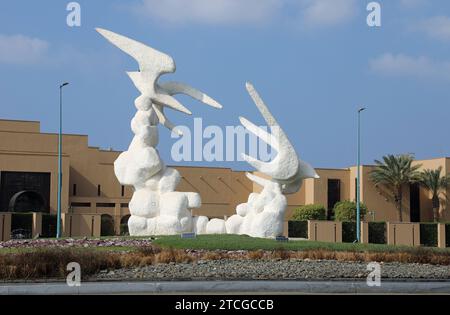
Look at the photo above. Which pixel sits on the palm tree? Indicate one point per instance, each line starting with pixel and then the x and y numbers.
pixel 394 172
pixel 437 186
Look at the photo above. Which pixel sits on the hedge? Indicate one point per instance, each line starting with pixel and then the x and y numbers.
pixel 377 232
pixel 298 229
pixel 345 211
pixel 22 221
pixel 107 226
pixel 124 229
pixel 428 234
pixel 48 225
pixel 447 235
pixel 348 232
pixel 310 212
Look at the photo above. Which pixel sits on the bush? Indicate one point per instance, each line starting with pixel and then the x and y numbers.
pixel 48 225
pixel 348 232
pixel 21 225
pixel 310 212
pixel 107 226
pixel 377 232
pixel 428 234
pixel 124 229
pixel 345 211
pixel 52 263
pixel 298 229
pixel 447 235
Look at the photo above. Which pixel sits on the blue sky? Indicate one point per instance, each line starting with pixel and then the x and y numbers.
pixel 314 62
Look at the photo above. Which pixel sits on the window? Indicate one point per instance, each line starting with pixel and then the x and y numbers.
pixel 74 190
pixel 123 190
pixel 105 205
pixel 99 190
pixel 80 204
pixel 334 195
pixel 124 205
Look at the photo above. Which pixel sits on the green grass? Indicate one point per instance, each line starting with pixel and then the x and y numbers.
pixel 242 242
pixel 239 242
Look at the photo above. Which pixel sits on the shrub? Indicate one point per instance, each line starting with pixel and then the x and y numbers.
pixel 447 235
pixel 345 211
pixel 428 234
pixel 377 232
pixel 107 226
pixel 348 232
pixel 48 225
pixel 310 212
pixel 255 255
pixel 21 225
pixel 298 229
pixel 52 263
pixel 124 229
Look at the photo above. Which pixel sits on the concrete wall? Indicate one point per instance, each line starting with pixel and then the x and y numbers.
pixel 16 155
pixel 407 234
pixel 5 226
pixel 77 225
pixel 20 125
pixel 325 231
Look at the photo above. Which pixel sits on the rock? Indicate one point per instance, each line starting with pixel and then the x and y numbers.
pixel 216 226
pixel 144 203
pixel 135 168
pixel 199 224
pixel 169 180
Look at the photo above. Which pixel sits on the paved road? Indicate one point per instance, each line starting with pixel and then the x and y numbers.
pixel 230 287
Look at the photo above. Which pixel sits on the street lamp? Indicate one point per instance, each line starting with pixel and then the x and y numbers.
pixel 58 222
pixel 358 184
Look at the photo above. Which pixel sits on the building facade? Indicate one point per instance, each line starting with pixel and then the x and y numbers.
pixel 29 172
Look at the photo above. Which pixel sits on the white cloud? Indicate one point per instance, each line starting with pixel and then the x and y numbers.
pixel 320 13
pixel 210 11
pixel 437 27
pixel 408 66
pixel 20 49
pixel 311 13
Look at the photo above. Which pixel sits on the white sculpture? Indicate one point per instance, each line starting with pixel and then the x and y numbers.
pixel 263 214
pixel 155 208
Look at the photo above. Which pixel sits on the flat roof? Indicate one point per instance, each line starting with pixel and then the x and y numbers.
pixel 20 120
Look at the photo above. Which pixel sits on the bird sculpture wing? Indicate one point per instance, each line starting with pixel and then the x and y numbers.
pixel 153 64
pixel 286 168
pixel 285 165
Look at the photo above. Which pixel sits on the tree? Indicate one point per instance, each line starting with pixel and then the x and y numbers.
pixel 437 186
pixel 394 172
pixel 345 211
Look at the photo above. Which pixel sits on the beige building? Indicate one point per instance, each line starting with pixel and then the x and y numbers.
pixel 28 181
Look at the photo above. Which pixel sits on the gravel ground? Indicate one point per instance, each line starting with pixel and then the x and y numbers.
pixel 274 270
pixel 80 242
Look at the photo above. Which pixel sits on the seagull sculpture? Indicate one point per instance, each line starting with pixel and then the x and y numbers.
pixel 286 168
pixel 152 65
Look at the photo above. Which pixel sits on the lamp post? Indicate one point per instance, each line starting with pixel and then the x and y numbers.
pixel 358 184
pixel 58 222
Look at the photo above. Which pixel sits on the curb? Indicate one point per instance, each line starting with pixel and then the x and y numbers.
pixel 220 287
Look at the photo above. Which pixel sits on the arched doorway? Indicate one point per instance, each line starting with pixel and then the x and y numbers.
pixel 107 225
pixel 27 201
pixel 124 225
